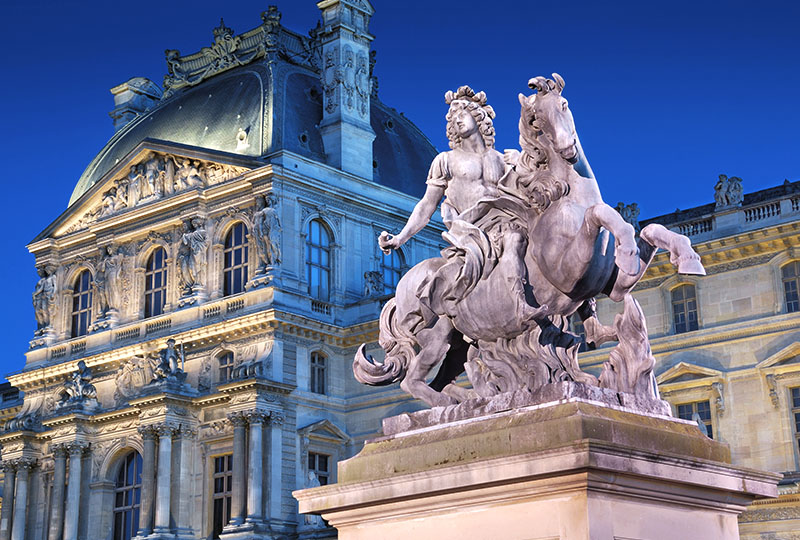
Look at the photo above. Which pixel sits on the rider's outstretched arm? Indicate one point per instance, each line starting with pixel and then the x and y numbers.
pixel 417 220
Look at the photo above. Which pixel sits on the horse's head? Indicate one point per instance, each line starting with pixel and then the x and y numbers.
pixel 546 114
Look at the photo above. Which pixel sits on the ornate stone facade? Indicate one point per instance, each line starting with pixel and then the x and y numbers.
pixel 268 396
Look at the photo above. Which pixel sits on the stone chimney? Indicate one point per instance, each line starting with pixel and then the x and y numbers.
pixel 133 98
pixel 345 74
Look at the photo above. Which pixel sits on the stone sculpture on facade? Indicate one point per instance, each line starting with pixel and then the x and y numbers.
pixel 530 243
pixel 192 254
pixel 107 283
pixel 728 191
pixel 267 229
pixel 43 297
pixel 170 365
pixel 373 283
pixel 630 213
pixel 78 389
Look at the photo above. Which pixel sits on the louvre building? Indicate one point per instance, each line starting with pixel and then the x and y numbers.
pixel 201 298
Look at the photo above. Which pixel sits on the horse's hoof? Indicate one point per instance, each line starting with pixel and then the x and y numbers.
pixel 691 266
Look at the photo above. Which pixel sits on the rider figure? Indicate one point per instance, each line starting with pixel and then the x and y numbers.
pixel 464 176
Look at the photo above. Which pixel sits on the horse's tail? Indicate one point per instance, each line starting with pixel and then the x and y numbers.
pixel 399 349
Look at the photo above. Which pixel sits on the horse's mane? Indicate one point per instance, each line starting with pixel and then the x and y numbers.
pixel 533 175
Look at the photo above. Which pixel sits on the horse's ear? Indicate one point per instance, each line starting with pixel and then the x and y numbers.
pixel 559 82
pixel 522 99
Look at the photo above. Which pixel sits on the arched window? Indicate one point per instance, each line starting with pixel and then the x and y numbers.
pixel 392 267
pixel 225 361
pixel 790 274
pixel 684 308
pixel 155 283
pixel 235 257
pixel 82 304
pixel 127 496
pixel 318 260
pixel 318 373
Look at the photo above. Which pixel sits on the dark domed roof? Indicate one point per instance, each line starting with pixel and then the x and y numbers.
pixel 276 114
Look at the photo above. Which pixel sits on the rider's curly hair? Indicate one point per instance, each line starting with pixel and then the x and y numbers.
pixel 466 98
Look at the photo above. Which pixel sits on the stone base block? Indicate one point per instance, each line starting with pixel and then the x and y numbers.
pixel 247 531
pixel 571 470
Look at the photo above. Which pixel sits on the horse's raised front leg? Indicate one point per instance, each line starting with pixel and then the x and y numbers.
pixel 681 253
pixel 434 343
pixel 626 253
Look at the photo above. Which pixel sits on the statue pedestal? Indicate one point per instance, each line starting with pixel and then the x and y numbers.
pixel 571 469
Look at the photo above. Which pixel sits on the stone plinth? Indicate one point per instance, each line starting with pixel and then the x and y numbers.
pixel 566 470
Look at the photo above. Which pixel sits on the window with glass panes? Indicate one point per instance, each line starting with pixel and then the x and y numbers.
pixel 221 498
pixel 320 464
pixel 82 304
pixel 318 263
pixel 225 366
pixel 790 274
pixel 155 283
pixel 684 308
pixel 392 267
pixel 796 415
pixel 235 258
pixel 318 362
pixel 127 497
pixel 686 411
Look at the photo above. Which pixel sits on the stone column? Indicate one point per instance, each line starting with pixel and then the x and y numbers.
pixel 255 499
pixel 164 479
pixel 9 479
pixel 148 434
pixel 71 521
pixel 56 531
pixel 184 521
pixel 239 477
pixel 24 467
pixel 275 461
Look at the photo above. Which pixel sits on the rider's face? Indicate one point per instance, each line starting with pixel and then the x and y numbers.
pixel 465 123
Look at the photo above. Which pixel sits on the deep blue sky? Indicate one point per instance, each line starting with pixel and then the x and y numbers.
pixel 666 95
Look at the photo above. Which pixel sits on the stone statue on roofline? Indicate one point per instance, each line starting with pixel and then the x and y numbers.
pixel 728 191
pixel 530 242
pixel 267 231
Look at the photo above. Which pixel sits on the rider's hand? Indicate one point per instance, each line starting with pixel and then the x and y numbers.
pixel 387 242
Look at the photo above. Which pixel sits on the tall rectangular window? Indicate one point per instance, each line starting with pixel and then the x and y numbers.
pixel 235 260
pixel 796 415
pixel 790 274
pixel 318 361
pixel 684 309
pixel 155 283
pixel 318 263
pixel 699 410
pixel 320 465
pixel 82 304
pixel 225 367
pixel 221 497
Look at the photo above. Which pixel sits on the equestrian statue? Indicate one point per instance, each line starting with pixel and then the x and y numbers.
pixel 530 243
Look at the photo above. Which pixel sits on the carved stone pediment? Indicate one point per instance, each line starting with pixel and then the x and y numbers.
pixel 324 430
pixel 148 177
pixel 786 356
pixel 685 372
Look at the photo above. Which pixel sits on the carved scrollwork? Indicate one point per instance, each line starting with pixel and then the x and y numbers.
pixel 237 419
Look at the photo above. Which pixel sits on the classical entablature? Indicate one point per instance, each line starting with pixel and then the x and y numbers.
pixel 154 172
